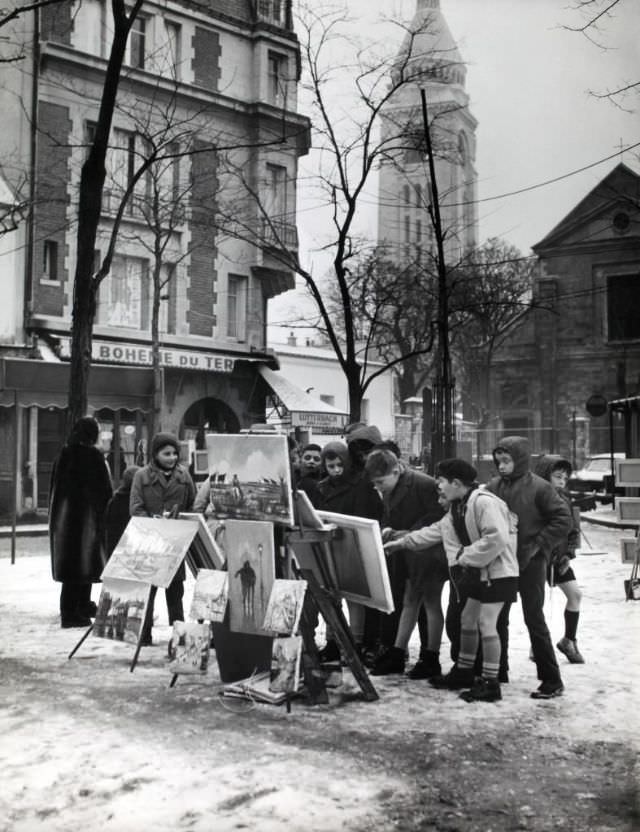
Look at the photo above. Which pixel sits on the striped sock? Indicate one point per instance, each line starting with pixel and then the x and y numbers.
pixel 490 656
pixel 468 648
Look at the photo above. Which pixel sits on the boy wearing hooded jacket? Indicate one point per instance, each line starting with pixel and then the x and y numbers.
pixel 544 521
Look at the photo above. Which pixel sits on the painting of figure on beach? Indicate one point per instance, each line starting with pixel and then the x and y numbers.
pixel 210 595
pixel 284 607
pixel 249 477
pixel 151 550
pixel 121 610
pixel 189 647
pixel 251 566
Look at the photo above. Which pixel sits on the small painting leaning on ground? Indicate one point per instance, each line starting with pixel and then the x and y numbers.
pixel 284 607
pixel 285 665
pixel 249 477
pixel 189 647
pixel 121 610
pixel 251 565
pixel 210 595
pixel 151 550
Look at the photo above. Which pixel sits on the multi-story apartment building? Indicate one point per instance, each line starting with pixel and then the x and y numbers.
pixel 208 103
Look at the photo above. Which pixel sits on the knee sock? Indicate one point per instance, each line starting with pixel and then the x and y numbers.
pixel 571 624
pixel 468 648
pixel 490 656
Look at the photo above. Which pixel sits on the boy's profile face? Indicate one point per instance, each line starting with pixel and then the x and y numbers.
pixel 385 483
pixel 504 463
pixel 334 466
pixel 559 478
pixel 451 489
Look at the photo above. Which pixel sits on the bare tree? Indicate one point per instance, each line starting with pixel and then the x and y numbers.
pixel 349 145
pixel 89 209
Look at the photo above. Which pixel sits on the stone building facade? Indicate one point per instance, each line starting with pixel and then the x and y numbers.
pixel 208 98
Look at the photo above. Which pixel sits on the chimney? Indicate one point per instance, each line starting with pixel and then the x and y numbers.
pixel 291 340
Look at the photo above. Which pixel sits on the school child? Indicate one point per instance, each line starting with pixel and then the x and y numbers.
pixel 346 491
pixel 410 500
pixel 544 521
pixel 164 486
pixel 479 537
pixel 557 470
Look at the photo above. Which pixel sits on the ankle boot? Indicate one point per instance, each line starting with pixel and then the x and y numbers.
pixel 390 662
pixel 483 690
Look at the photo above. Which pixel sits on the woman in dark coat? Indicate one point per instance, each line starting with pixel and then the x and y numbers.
pixel 79 492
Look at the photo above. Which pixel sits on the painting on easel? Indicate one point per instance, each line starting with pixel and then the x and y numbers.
pixel 189 647
pixel 284 607
pixel 210 595
pixel 151 550
pixel 250 477
pixel 121 610
pixel 251 565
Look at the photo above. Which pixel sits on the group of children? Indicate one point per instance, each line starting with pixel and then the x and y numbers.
pixel 492 542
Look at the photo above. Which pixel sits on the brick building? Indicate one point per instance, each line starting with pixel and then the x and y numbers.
pixel 208 91
pixel 583 337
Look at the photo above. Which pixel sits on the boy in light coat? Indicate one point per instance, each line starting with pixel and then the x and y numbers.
pixel 479 535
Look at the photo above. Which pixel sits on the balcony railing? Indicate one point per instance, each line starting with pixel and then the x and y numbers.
pixel 280 235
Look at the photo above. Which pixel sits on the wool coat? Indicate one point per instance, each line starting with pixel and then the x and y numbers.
pixel 152 493
pixel 79 492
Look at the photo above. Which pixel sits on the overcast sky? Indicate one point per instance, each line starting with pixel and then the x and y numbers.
pixel 529 82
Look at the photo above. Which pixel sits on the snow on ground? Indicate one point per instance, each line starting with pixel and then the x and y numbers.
pixel 88 744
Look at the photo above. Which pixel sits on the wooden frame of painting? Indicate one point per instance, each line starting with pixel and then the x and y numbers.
pixel 358 560
pixel 628 510
pixel 628 549
pixel 627 473
pixel 250 477
pixel 304 512
pixel 204 552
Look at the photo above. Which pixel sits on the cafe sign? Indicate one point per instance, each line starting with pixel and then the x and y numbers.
pixel 112 352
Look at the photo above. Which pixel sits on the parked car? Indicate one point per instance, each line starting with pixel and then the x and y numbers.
pixel 591 483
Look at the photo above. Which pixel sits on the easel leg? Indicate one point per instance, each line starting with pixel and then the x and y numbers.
pixel 72 653
pixel 148 620
pixel 174 679
pixel 335 619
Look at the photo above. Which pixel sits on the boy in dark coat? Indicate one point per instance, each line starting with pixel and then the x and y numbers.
pixel 117 514
pixel 161 487
pixel 544 521
pixel 79 493
pixel 410 500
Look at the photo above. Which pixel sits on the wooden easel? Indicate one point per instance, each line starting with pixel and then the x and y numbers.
pixel 321 589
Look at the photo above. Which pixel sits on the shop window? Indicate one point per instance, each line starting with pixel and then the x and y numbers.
pixel 623 307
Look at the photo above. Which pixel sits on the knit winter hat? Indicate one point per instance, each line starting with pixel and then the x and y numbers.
pixel 160 440
pixel 365 434
pixel 338 449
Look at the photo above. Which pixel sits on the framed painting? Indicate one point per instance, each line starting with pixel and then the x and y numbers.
pixel 304 512
pixel 250 477
pixel 628 510
pixel 210 595
pixel 628 549
pixel 151 550
pixel 251 567
pixel 358 561
pixel 627 473
pixel 121 610
pixel 285 665
pixel 284 607
pixel 189 647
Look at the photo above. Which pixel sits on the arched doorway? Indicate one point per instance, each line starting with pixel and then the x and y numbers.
pixel 208 416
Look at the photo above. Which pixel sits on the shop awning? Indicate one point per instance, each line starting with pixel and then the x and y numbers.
pixel 304 410
pixel 33 383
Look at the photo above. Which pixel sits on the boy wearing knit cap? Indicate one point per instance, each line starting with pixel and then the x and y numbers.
pixel 161 487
